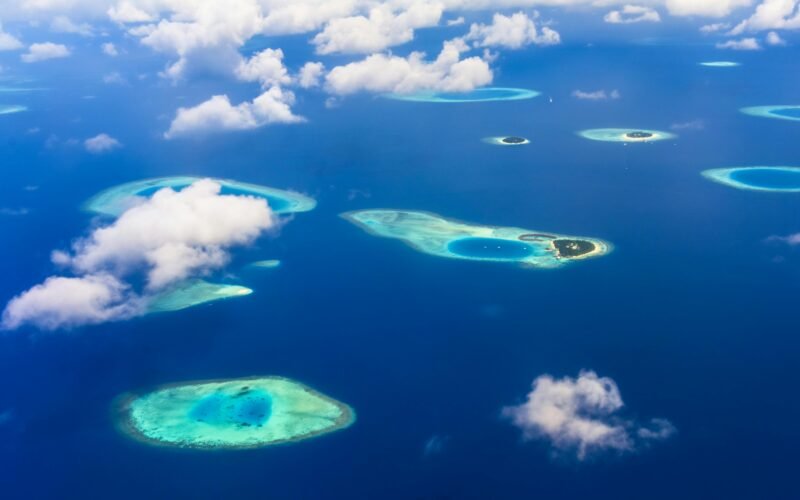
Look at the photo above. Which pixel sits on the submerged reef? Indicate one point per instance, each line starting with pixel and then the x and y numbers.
pixel 433 234
pixel 193 293
pixel 477 95
pixel 779 112
pixel 117 199
pixel 720 64
pixel 7 109
pixel 265 264
pixel 625 135
pixel 511 140
pixel 775 179
pixel 231 414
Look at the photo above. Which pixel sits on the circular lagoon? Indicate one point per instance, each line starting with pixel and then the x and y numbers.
pixel 781 112
pixel 720 64
pixel 776 179
pixel 625 135
pixel 490 249
pixel 7 109
pixel 477 95
pixel 117 199
pixel 230 414
pixel 436 235
pixel 510 140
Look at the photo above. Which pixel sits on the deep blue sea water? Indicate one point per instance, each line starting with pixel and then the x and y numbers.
pixel 790 112
pixel 693 315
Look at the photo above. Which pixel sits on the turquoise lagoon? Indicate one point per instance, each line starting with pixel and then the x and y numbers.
pixel 230 414
pixel 776 179
pixel 779 112
pixel 435 235
pixel 117 199
pixel 7 109
pixel 477 95
pixel 193 293
pixel 625 135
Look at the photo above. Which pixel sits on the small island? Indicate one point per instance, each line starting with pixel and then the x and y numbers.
pixel 511 140
pixel 115 200
pixel 773 179
pixel 193 293
pixel 240 413
pixel 265 264
pixel 477 95
pixel 435 235
pixel 625 135
pixel 7 109
pixel 780 112
pixel 720 64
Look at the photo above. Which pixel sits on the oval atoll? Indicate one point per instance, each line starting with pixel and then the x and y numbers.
pixel 476 95
pixel 433 234
pixel 115 200
pixel 508 140
pixel 7 109
pixel 192 293
pixel 720 64
pixel 231 414
pixel 779 112
pixel 775 179
pixel 625 135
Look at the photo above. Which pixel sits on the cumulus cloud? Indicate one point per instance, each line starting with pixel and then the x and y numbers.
pixel 63 24
pixel 110 49
pixel 382 28
pixel 597 95
pixel 169 238
pixel 580 416
pixel 310 74
pixel 44 51
pixel 743 44
pixel 792 239
pixel 771 15
pixel 630 14
pixel 101 143
pixel 714 28
pixel 8 42
pixel 513 32
pixel 708 8
pixel 265 67
pixel 387 73
pixel 114 78
pixel 774 39
pixel 218 114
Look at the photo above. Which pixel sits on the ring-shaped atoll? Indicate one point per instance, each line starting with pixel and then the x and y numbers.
pixel 433 234
pixel 231 414
pixel 779 112
pixel 115 200
pixel 625 135
pixel 477 95
pixel 507 140
pixel 192 293
pixel 773 179
pixel 720 64
pixel 7 109
pixel 265 264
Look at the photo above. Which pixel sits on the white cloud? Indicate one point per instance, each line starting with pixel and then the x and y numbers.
pixel 707 8
pixel 772 15
pixel 114 78
pixel 310 74
pixel 792 239
pixel 126 12
pixel 743 44
pixel 62 302
pixel 580 415
pixel 691 125
pixel 8 42
pixel 387 73
pixel 43 51
pixel 458 21
pixel 597 95
pixel 381 29
pixel 101 143
pixel 515 31
pixel 714 27
pixel 218 114
pixel 630 14
pixel 775 39
pixel 169 237
pixel 63 24
pixel 110 49
pixel 265 67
